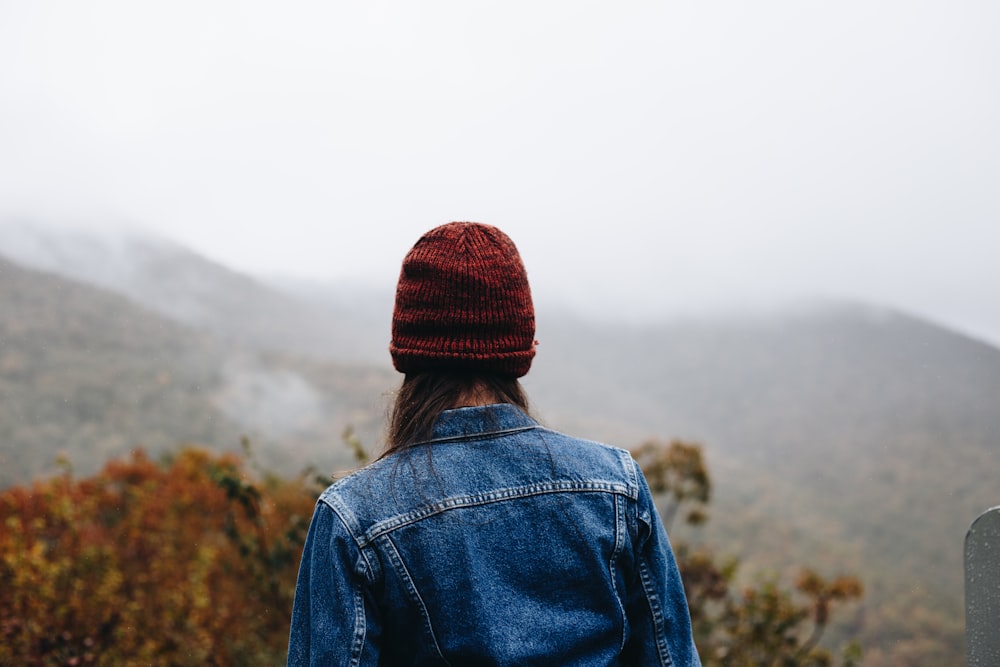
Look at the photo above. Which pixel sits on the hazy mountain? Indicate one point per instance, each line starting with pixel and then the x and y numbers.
pixel 193 290
pixel 90 374
pixel 863 437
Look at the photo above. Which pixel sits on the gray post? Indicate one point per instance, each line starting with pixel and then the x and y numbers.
pixel 982 590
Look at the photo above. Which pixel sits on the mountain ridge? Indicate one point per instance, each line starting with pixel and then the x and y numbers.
pixel 87 374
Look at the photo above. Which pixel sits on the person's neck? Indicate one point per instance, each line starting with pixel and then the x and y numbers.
pixel 475 396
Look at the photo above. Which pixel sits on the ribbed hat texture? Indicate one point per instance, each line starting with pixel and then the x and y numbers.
pixel 463 303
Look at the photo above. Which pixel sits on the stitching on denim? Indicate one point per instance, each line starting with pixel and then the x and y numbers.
pixel 360 619
pixel 411 588
pixel 631 469
pixel 477 435
pixel 343 512
pixel 333 501
pixel 360 628
pixel 499 495
pixel 663 653
pixel 619 545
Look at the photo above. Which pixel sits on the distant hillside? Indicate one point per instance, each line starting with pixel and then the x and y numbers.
pixel 188 288
pixel 90 374
pixel 862 437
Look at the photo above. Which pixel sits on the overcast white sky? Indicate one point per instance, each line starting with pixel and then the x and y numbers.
pixel 646 157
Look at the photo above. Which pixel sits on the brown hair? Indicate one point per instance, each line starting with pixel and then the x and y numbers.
pixel 424 396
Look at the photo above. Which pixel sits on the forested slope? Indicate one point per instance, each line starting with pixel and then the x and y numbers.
pixel 87 375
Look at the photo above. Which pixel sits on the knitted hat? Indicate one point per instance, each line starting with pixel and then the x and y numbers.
pixel 463 303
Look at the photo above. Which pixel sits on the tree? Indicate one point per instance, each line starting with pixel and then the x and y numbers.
pixel 677 471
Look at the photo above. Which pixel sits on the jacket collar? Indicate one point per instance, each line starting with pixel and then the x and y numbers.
pixel 484 420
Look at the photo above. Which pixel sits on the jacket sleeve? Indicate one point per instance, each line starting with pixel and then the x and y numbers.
pixel 333 619
pixel 656 607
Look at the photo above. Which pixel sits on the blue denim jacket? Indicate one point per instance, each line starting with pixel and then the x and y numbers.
pixel 497 542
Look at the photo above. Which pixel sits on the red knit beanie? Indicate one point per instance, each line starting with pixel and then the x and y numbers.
pixel 463 303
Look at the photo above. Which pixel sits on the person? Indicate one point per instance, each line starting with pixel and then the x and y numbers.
pixel 480 537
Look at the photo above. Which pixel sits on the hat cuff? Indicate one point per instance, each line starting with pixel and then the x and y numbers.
pixel 514 364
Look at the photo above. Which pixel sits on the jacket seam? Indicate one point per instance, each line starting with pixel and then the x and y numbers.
pixel 360 628
pixel 476 435
pixel 360 625
pixel 411 588
pixel 488 498
pixel 631 470
pixel 343 513
pixel 662 651
pixel 619 546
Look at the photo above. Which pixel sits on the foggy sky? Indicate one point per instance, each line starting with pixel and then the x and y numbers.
pixel 647 159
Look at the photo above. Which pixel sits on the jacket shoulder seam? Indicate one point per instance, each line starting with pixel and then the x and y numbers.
pixel 487 498
pixel 349 521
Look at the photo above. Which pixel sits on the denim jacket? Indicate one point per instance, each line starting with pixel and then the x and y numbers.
pixel 496 542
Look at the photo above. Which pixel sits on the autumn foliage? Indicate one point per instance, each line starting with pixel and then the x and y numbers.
pixel 192 561
pixel 181 562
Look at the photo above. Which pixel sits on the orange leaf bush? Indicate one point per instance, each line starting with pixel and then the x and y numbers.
pixel 181 562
